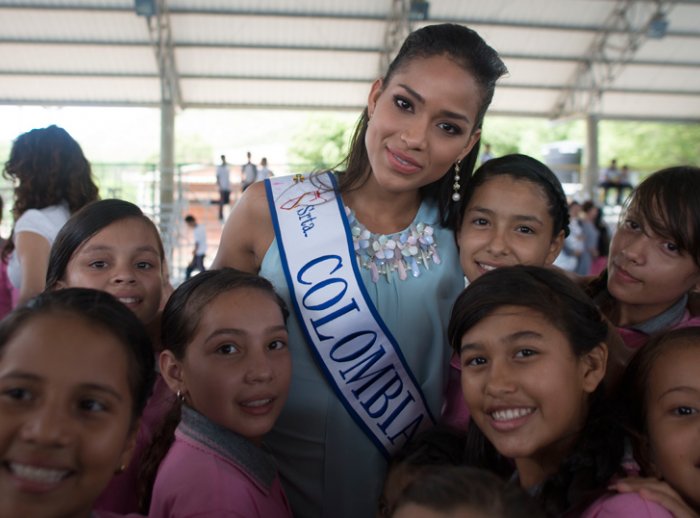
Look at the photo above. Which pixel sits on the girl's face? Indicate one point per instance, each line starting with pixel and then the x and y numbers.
pixel 507 222
pixel 237 368
pixel 421 123
pixel 647 273
pixel 526 389
pixel 124 260
pixel 673 419
pixel 65 416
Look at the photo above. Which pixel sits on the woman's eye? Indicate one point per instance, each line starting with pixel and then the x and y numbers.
pixel 631 224
pixel 98 264
pixel 480 222
pixel 277 345
pixel 685 411
pixel 17 394
pixel 402 103
pixel 671 247
pixel 227 349
pixel 475 362
pixel 91 405
pixel 525 353
pixel 450 128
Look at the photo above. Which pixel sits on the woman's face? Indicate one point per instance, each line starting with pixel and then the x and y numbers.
pixel 124 260
pixel 507 222
pixel 527 391
pixel 421 122
pixel 647 272
pixel 673 419
pixel 65 416
pixel 237 368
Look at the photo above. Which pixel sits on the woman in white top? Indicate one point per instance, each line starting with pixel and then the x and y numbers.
pixel 52 179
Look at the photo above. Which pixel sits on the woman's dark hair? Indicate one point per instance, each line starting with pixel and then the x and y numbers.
pixel 632 401
pixel 597 453
pixel 49 168
pixel 179 323
pixel 522 167
pixel 84 224
pixel 666 202
pixel 100 309
pixel 449 488
pixel 466 48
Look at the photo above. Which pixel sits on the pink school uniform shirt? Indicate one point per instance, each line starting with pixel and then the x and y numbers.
pixel 627 505
pixel 212 471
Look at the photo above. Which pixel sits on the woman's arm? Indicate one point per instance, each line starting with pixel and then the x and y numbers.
pixel 248 232
pixel 32 251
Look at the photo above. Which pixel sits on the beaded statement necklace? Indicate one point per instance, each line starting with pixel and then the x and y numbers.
pixel 401 252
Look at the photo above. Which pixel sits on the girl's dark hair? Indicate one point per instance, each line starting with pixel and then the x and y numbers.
pixel 597 453
pixel 179 323
pixel 449 488
pixel 632 401
pixel 668 203
pixel 84 224
pixel 101 309
pixel 522 167
pixel 48 167
pixel 465 47
pixel 439 446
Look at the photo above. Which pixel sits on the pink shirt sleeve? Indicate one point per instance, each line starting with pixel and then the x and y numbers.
pixel 625 505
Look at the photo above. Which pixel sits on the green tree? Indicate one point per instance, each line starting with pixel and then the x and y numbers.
pixel 322 143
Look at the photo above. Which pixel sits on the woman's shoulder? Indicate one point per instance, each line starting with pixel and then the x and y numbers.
pixel 625 505
pixel 37 219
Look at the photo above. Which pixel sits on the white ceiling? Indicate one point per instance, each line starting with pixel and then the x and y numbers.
pixel 311 54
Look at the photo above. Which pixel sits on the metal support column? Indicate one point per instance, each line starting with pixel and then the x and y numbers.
pixel 590 175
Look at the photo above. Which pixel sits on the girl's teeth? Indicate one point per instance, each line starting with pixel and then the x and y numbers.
pixel 128 300
pixel 42 475
pixel 510 414
pixel 260 402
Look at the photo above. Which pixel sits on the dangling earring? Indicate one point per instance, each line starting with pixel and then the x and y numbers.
pixel 456 196
pixel 180 396
pixel 120 469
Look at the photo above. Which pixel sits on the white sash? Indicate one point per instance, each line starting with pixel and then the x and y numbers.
pixel 359 356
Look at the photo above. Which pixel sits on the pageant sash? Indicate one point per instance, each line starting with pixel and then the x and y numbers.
pixel 357 353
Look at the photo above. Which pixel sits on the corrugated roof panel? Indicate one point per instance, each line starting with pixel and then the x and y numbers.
pixel 79 90
pixel 278 63
pixel 536 12
pixel 671 49
pixel 72 25
pixel 523 100
pixel 536 72
pixel 278 93
pixel 545 42
pixel 642 106
pixel 300 7
pixel 653 78
pixel 278 31
pixel 77 59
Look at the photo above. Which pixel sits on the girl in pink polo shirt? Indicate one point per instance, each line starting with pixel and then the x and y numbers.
pixel 654 260
pixel 225 357
pixel 533 355
pixel 660 399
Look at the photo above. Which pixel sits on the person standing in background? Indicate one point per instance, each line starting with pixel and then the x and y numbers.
pixel 200 246
pixel 249 173
pixel 223 181
pixel 263 171
pixel 53 179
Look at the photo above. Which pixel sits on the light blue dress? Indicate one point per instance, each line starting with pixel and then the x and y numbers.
pixel 329 467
